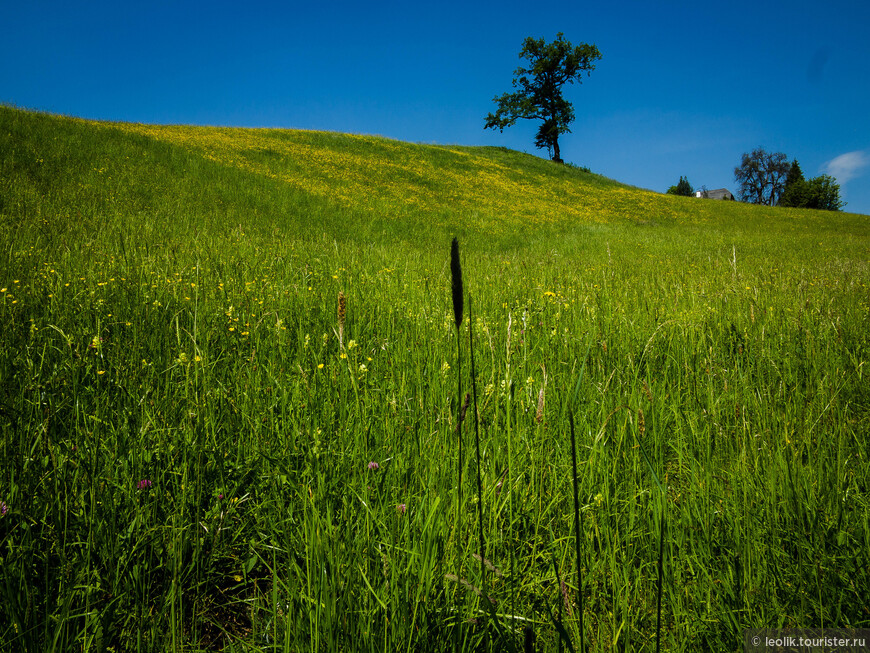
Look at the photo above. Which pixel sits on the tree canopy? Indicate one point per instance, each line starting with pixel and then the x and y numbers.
pixel 551 66
pixel 822 192
pixel 683 188
pixel 768 178
pixel 761 176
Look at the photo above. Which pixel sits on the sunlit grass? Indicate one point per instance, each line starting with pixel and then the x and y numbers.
pixel 186 438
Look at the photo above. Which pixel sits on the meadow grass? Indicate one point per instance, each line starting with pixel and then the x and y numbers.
pixel 188 425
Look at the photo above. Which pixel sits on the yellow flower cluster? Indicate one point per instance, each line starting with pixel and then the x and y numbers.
pixel 390 178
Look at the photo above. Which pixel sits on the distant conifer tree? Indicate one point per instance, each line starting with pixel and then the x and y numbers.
pixel 795 187
pixel 683 188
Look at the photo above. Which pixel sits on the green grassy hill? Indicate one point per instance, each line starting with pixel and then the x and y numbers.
pixel 188 420
pixel 349 186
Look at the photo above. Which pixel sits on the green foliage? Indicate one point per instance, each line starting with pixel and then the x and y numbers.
pixel 683 188
pixel 761 176
pixel 551 66
pixel 822 192
pixel 795 174
pixel 795 187
pixel 169 313
pixel 586 169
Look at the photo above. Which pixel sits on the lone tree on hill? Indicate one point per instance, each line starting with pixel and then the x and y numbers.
pixel 551 66
pixel 761 176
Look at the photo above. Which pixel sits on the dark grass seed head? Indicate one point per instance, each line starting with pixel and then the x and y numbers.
pixel 456 282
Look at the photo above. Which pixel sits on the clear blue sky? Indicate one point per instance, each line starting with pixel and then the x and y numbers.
pixel 683 88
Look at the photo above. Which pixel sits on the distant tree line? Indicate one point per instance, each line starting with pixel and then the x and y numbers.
pixel 822 192
pixel 768 178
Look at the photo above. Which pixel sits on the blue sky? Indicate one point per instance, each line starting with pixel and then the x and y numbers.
pixel 682 88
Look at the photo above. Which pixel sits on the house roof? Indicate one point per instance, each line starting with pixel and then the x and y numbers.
pixel 716 194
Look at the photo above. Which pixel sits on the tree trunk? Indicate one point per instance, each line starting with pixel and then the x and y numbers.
pixel 556 154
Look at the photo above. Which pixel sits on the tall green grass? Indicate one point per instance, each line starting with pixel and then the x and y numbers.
pixel 172 319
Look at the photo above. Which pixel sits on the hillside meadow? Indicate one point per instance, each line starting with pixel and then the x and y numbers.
pixel 202 447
